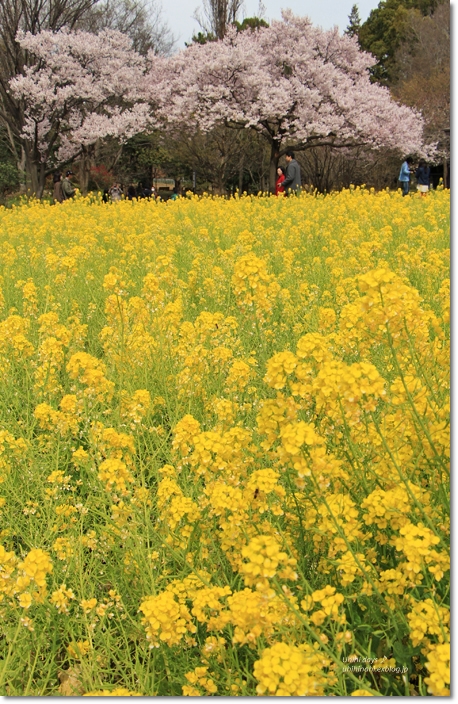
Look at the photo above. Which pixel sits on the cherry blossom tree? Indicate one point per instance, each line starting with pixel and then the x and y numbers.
pixel 141 20
pixel 29 16
pixel 82 87
pixel 293 83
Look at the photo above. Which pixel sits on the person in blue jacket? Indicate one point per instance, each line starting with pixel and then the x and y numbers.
pixel 404 176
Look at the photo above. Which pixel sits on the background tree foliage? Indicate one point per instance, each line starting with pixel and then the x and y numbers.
pixel 29 16
pixel 141 20
pixel 354 22
pixel 423 70
pixel 216 16
pixel 386 29
pixel 411 42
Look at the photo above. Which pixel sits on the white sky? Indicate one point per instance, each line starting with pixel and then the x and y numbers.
pixel 326 13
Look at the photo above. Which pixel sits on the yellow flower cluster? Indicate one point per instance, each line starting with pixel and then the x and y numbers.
pixel 255 613
pixel 61 598
pixel 165 619
pixel 10 447
pixel 175 510
pixel 265 559
pixel 26 579
pixel 224 435
pixel 114 472
pixel 416 543
pixel 254 288
pixel 64 421
pixel 90 372
pixel 199 677
pixel 330 602
pixel 35 567
pixel 438 665
pixel 291 671
pixel 427 617
pixel 78 650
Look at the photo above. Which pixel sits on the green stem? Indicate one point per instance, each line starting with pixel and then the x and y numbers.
pixel 8 656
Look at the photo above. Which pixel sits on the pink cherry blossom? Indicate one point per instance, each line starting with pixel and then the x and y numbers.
pixel 82 87
pixel 294 83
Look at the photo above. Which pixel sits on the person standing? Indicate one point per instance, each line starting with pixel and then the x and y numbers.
pixel 423 174
pixel 115 192
pixel 131 192
pixel 279 182
pixel 67 189
pixel 57 195
pixel 292 182
pixel 404 176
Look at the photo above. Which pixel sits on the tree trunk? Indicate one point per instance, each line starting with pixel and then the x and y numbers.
pixel 41 179
pixel 31 176
pixel 85 170
pixel 274 156
pixel 241 170
pixel 221 175
pixel 35 173
pixel 21 165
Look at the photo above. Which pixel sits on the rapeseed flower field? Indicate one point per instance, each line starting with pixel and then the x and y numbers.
pixel 224 446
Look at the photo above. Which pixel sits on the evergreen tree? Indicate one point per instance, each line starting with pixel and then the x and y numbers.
pixel 386 28
pixel 354 22
pixel 248 23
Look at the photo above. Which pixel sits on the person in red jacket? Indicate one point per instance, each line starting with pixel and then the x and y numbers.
pixel 278 184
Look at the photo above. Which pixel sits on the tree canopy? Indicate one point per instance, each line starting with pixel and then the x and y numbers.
pixel 140 21
pixel 423 72
pixel 249 23
pixel 82 87
pixel 386 29
pixel 313 89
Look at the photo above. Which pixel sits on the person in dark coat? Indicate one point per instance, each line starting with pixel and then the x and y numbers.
pixel 58 195
pixel 67 188
pixel 423 177
pixel 292 182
